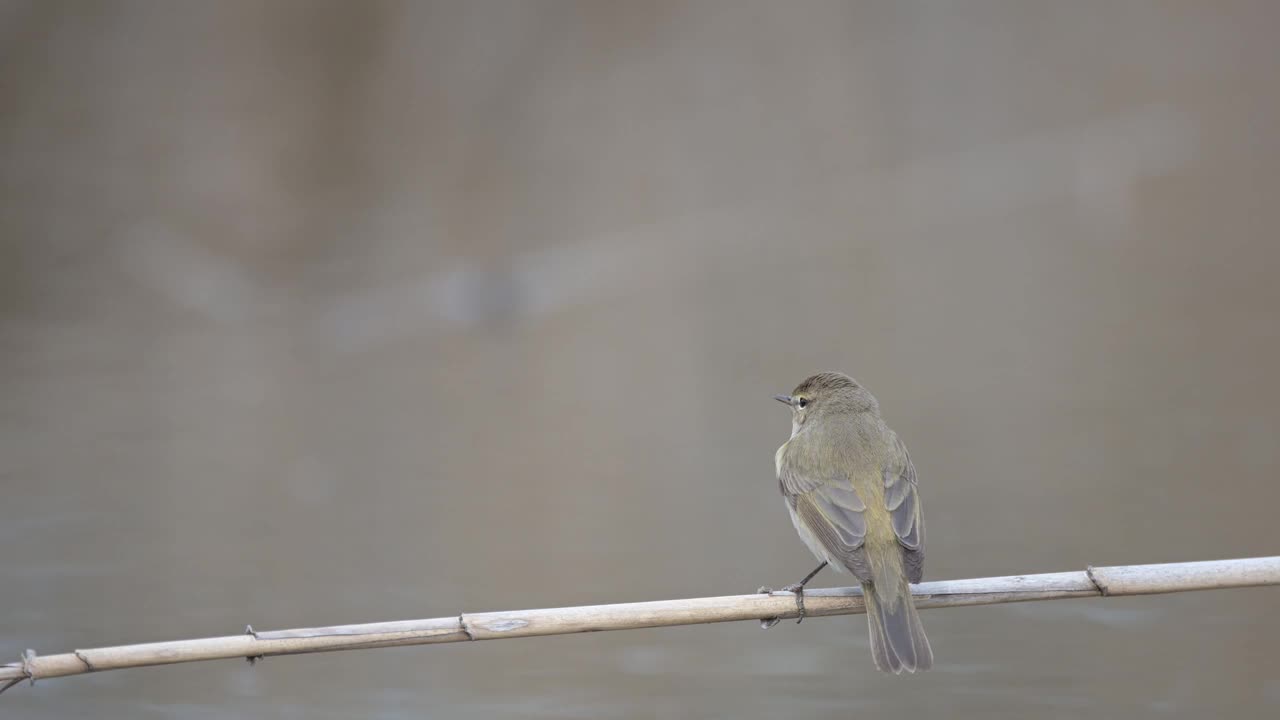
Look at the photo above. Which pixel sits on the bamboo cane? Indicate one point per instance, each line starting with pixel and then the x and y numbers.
pixel 1093 582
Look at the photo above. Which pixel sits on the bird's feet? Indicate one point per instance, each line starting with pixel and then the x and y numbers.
pixel 766 623
pixel 798 590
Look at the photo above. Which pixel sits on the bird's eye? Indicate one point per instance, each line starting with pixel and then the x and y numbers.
pixel 801 403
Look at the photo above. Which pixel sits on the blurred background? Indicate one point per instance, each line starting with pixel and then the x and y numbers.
pixel 325 312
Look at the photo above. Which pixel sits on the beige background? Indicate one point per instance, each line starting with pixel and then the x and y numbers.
pixel 333 312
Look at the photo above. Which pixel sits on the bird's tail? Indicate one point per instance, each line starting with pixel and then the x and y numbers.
pixel 898 642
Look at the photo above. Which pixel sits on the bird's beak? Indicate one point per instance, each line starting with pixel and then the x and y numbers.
pixel 785 399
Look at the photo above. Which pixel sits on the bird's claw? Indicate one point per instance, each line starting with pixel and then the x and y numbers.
pixel 798 589
pixel 766 623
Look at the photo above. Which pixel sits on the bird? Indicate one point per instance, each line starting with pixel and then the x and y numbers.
pixel 853 496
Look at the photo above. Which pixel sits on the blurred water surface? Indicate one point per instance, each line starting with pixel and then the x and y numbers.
pixel 315 313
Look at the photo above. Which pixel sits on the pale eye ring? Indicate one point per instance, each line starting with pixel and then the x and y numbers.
pixel 801 402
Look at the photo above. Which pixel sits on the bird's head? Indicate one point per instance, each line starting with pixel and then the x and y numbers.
pixel 826 394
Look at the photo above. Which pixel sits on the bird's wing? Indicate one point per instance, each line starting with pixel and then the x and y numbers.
pixel 902 497
pixel 831 510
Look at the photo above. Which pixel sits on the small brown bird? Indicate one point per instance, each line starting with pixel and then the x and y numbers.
pixel 851 490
